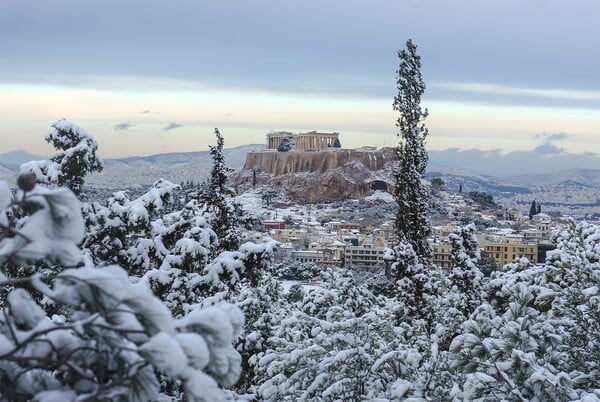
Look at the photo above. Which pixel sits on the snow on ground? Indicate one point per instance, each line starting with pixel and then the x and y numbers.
pixel 380 195
pixel 252 201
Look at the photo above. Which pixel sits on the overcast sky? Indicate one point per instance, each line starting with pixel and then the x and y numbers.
pixel 157 76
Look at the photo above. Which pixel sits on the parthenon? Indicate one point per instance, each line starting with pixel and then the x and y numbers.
pixel 311 141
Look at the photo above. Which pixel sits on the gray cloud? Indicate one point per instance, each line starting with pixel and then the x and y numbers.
pixel 547 146
pixel 171 126
pixel 548 149
pixel 510 43
pixel 125 126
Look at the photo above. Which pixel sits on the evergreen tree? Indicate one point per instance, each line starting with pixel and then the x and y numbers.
pixel 412 225
pixel 75 157
pixel 465 278
pixel 113 336
pixel 485 200
pixel 227 215
pixel 131 233
pixel 335 344
pixel 538 336
pixel 533 210
pixel 415 288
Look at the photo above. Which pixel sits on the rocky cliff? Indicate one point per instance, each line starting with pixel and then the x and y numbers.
pixel 321 176
pixel 279 163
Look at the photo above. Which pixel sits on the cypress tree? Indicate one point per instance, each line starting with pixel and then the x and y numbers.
pixel 533 210
pixel 412 225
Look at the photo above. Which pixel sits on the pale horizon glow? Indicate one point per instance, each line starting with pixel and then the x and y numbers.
pixel 245 117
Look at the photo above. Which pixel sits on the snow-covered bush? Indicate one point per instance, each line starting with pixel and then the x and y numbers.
pixel 132 233
pixel 114 337
pixel 298 270
pixel 537 338
pixel 327 347
pixel 465 278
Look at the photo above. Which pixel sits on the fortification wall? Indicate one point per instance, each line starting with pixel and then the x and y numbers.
pixel 280 163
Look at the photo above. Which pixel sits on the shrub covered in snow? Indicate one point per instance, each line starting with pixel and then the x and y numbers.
pixel 115 335
pixel 538 336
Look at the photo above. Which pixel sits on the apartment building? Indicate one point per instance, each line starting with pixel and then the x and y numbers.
pixel 364 255
pixel 504 252
pixel 442 252
pixel 342 226
pixel 313 256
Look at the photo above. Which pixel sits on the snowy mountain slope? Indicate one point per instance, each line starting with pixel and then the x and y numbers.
pixel 140 170
pixel 455 178
pixel 12 160
pixel 574 192
pixel 583 177
pixel 175 167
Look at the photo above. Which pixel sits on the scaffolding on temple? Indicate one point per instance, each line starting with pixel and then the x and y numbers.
pixel 310 141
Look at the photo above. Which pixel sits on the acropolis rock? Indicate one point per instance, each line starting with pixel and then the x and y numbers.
pixel 278 163
pixel 326 175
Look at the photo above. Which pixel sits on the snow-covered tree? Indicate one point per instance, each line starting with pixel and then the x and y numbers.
pixel 574 274
pixel 264 305
pixel 416 287
pixel 465 277
pixel 329 346
pixel 298 270
pixel 512 354
pixel 187 279
pixel 537 338
pixel 412 224
pixel 129 232
pixel 178 251
pixel 114 336
pixel 227 215
pixel 74 159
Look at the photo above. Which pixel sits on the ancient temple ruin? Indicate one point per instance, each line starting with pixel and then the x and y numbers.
pixel 311 141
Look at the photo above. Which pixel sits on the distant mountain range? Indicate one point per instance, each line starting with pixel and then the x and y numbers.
pixel 566 190
pixel 140 171
pixel 176 167
pixel 12 160
pixel 499 164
